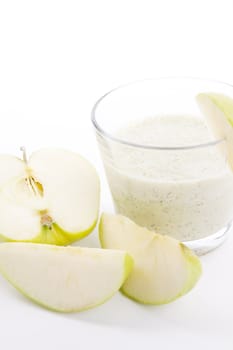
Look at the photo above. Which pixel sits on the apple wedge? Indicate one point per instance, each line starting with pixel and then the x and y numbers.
pixel 164 269
pixel 53 197
pixel 65 279
pixel 218 111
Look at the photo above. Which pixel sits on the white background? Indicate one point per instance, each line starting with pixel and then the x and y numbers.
pixel 56 59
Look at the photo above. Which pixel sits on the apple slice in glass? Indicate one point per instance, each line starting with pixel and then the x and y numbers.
pixel 218 111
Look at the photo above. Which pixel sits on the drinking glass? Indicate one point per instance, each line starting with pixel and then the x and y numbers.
pixel 179 190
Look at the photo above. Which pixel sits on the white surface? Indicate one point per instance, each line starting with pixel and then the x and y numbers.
pixel 56 59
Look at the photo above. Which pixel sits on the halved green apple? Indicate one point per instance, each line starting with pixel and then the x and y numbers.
pixel 164 269
pixel 51 198
pixel 65 279
pixel 218 110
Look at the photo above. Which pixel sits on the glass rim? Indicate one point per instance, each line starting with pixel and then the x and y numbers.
pixel 108 135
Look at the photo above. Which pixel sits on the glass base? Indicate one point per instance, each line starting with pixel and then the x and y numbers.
pixel 207 244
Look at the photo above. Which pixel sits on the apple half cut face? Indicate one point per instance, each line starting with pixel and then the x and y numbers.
pixel 164 269
pixel 65 279
pixel 51 198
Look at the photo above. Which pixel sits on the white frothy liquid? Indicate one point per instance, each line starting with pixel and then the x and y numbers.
pixel 187 194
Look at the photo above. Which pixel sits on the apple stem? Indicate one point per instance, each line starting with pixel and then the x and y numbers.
pixel 23 149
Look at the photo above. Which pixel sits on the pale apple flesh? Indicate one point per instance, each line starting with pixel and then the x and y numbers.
pixel 51 198
pixel 65 279
pixel 164 269
pixel 218 111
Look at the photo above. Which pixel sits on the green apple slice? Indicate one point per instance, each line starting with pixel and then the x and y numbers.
pixel 218 110
pixel 164 269
pixel 51 198
pixel 65 279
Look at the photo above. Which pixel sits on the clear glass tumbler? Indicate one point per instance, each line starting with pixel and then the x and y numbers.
pixel 164 168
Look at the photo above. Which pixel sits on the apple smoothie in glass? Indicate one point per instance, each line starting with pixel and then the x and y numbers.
pixel 165 169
